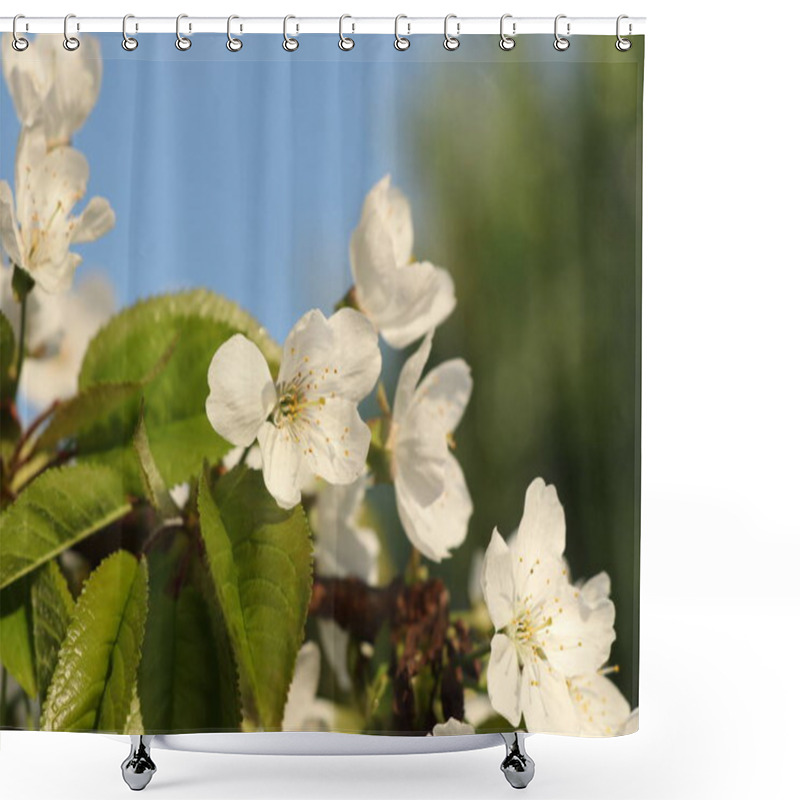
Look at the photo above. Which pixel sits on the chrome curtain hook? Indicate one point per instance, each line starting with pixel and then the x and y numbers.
pixel 19 43
pixel 129 43
pixel 71 43
pixel 622 44
pixel 233 44
pixel 290 44
pixel 560 43
pixel 345 42
pixel 182 42
pixel 401 42
pixel 451 42
pixel 507 42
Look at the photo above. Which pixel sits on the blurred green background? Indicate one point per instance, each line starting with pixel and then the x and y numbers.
pixel 529 178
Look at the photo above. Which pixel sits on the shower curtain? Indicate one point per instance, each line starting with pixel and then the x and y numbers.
pixel 320 386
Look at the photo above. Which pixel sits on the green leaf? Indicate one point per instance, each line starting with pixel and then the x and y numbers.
pixel 59 508
pixel 155 488
pixel 185 677
pixel 94 681
pixel 16 635
pixel 90 408
pixel 259 556
pixel 52 606
pixel 126 349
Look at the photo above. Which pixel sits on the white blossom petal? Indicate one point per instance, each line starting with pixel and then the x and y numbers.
pixel 242 393
pixel 441 526
pixel 422 298
pixel 403 300
pixel 336 441
pixel 304 711
pixel 344 547
pixel 408 379
pixel 504 679
pixel 631 724
pixel 546 702
pixel 453 727
pixel 602 709
pixel 9 230
pixel 444 393
pixel 96 220
pixel 543 529
pixel 60 328
pixel 498 590
pixel 334 357
pixel 283 469
pixel 52 87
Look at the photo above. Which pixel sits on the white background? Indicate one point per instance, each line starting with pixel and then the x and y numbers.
pixel 720 530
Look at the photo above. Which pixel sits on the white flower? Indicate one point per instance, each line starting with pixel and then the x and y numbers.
pixel 306 422
pixel 433 500
pixel 52 87
pixel 304 711
pixel 452 727
pixel 631 724
pixel 59 329
pixel 404 298
pixel 546 632
pixel 38 236
pixel 602 710
pixel 344 548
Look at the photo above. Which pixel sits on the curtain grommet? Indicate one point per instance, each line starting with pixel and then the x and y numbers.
pixel 401 43
pixel 183 43
pixel 507 42
pixel 233 44
pixel 19 43
pixel 129 43
pixel 71 43
pixel 622 44
pixel 561 43
pixel 345 42
pixel 290 44
pixel 451 43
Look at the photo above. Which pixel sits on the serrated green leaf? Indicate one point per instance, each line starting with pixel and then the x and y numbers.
pixel 184 682
pixel 259 557
pixel 16 635
pixel 181 437
pixel 133 724
pixel 90 408
pixel 94 681
pixel 59 508
pixel 52 606
pixel 155 488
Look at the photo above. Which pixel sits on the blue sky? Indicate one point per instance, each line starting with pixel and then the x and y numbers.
pixel 242 172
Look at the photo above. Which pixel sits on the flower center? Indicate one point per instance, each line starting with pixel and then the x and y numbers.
pixel 293 400
pixel 525 631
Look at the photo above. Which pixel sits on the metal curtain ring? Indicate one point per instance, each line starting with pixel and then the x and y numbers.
pixel 233 44
pixel 401 42
pixel 345 42
pixel 507 42
pixel 182 42
pixel 128 42
pixel 290 44
pixel 560 44
pixel 19 43
pixel 451 42
pixel 622 44
pixel 71 43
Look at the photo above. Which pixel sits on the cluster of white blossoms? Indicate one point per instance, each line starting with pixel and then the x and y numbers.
pixel 553 638
pixel 53 92
pixel 306 421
